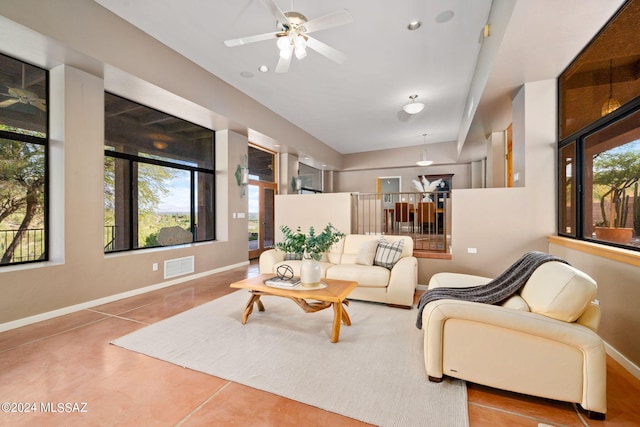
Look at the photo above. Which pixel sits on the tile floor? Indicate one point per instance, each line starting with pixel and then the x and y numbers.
pixel 68 360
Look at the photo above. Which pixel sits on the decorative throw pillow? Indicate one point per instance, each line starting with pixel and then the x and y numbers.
pixel 387 254
pixel 367 252
pixel 290 256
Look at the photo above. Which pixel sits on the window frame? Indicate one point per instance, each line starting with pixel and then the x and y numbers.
pixel 579 138
pixel 45 142
pixel 132 187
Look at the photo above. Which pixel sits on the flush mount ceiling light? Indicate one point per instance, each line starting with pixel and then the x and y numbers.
pixel 413 107
pixel 414 25
pixel 423 161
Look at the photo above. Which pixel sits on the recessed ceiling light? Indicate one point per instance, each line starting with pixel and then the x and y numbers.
pixel 263 68
pixel 445 16
pixel 414 25
pixel 246 74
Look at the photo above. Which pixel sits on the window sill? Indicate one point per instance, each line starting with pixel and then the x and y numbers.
pixel 617 254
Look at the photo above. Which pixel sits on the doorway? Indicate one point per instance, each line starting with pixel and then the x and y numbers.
pixel 261 218
pixel 261 193
pixel 387 185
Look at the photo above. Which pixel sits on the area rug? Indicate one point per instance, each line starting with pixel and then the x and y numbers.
pixel 375 373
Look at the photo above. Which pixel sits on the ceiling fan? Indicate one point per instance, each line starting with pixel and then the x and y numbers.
pixel 292 34
pixel 23 96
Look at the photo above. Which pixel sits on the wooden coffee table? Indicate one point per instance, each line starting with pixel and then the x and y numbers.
pixel 334 294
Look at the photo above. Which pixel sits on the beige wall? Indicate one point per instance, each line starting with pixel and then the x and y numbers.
pixel 500 223
pixel 364 181
pixel 618 293
pixel 496 160
pixel 503 223
pixel 317 210
pixel 70 39
pixel 441 153
pixel 79 271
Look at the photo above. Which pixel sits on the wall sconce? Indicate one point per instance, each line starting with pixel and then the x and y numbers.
pixel 296 184
pixel 242 175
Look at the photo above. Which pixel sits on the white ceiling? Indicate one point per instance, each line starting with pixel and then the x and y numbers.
pixel 357 106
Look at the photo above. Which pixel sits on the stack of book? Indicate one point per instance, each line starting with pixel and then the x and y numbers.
pixel 277 282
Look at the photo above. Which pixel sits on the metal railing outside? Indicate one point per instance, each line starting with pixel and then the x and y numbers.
pixel 426 217
pixel 31 246
pixel 109 237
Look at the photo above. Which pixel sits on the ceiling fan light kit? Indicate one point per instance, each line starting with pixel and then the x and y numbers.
pixel 293 35
pixel 413 107
pixel 300 46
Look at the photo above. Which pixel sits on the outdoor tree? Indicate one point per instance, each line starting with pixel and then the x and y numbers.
pixel 616 171
pixel 22 177
pixel 153 185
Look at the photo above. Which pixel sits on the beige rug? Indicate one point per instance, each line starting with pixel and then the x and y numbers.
pixel 375 373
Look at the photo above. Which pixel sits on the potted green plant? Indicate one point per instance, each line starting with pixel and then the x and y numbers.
pixel 310 247
pixel 616 172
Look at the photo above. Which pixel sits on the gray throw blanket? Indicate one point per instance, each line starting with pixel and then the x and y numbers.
pixel 494 292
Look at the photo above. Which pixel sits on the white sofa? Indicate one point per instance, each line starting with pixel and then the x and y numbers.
pixel 348 260
pixel 541 342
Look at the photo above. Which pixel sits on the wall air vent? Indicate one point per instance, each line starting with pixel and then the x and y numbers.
pixel 178 267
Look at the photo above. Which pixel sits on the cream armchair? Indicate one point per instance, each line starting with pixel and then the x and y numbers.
pixel 541 342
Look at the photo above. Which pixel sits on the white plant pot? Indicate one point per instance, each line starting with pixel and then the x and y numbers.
pixel 310 272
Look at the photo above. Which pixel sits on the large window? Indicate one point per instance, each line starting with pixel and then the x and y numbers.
pixel 599 157
pixel 23 162
pixel 159 178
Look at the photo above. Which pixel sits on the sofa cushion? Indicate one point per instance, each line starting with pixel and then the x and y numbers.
pixel 387 254
pixel 515 302
pixel 367 252
pixel 369 276
pixel 559 291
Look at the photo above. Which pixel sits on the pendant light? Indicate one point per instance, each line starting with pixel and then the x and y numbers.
pixel 423 161
pixel 611 103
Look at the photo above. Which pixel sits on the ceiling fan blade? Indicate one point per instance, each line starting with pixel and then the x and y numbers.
pixel 275 11
pixel 8 103
pixel 283 65
pixel 326 50
pixel 334 19
pixel 250 39
pixel 39 104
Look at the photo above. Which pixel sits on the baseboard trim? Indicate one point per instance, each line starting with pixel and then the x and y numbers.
pixel 621 359
pixel 105 300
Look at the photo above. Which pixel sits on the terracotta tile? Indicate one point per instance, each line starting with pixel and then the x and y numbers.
pixel 623 397
pixel 167 302
pixel 175 302
pixel 120 387
pixel 481 416
pixel 69 359
pixel 20 336
pixel 238 405
pixel 548 411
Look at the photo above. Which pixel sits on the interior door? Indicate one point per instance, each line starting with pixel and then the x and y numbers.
pixel 261 219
